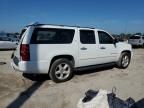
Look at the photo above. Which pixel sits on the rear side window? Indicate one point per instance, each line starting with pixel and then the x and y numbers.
pixel 87 37
pixel 52 36
pixel 135 37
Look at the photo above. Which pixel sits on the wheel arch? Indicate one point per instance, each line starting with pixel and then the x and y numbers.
pixel 69 57
pixel 118 63
pixel 127 51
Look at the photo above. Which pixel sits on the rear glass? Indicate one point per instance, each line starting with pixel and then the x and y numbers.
pixel 52 36
pixel 135 37
pixel 22 32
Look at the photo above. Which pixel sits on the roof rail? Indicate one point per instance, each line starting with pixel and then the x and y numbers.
pixel 87 27
pixel 33 24
pixel 38 24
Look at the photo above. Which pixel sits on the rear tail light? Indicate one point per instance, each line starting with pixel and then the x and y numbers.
pixel 24 52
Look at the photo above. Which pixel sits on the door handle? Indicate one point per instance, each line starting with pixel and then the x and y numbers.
pixel 83 48
pixel 102 48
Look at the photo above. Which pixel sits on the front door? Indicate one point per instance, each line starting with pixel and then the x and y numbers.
pixel 107 49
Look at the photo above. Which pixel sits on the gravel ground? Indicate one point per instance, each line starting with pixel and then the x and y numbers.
pixel 29 91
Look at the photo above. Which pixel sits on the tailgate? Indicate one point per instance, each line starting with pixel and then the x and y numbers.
pixel 16 54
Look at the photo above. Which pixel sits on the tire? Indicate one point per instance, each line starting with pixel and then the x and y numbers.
pixel 124 60
pixel 61 70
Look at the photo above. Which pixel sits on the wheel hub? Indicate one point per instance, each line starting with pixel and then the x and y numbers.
pixel 125 61
pixel 62 71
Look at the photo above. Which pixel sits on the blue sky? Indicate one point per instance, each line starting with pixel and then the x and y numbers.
pixel 115 16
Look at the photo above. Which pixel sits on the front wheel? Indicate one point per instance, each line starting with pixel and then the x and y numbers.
pixel 124 60
pixel 61 70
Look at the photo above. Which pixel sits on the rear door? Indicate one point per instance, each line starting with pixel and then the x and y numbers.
pixel 88 48
pixel 107 49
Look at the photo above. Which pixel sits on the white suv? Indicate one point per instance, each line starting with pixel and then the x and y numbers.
pixel 136 40
pixel 59 49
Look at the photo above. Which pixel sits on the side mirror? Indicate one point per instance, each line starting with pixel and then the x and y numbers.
pixel 115 40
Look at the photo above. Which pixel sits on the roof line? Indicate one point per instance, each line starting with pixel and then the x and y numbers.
pixel 37 24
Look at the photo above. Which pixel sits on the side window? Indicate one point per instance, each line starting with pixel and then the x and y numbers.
pixel 52 36
pixel 45 35
pixel 143 37
pixel 87 37
pixel 105 38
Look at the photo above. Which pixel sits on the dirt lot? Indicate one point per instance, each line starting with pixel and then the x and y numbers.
pixel 27 91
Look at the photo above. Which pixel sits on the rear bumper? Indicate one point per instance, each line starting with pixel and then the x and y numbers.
pixel 30 67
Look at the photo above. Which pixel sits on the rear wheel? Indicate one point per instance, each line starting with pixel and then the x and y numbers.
pixel 61 70
pixel 124 60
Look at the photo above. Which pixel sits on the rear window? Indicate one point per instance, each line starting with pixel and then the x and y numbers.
pixel 52 36
pixel 22 32
pixel 135 37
